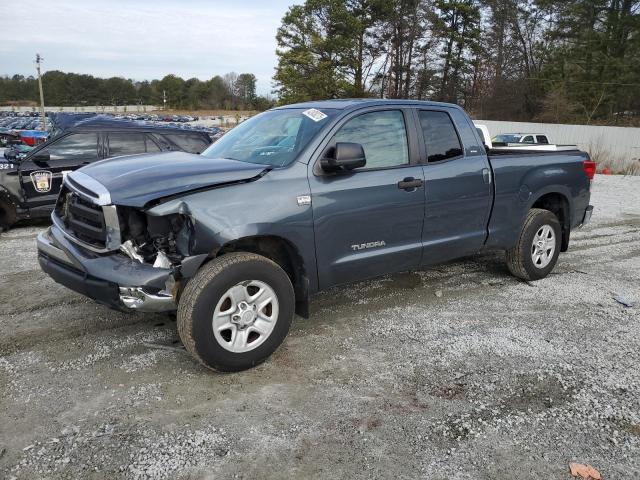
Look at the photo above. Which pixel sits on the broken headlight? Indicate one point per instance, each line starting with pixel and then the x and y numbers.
pixel 162 241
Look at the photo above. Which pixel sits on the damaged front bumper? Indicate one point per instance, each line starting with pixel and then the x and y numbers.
pixel 112 279
pixel 137 298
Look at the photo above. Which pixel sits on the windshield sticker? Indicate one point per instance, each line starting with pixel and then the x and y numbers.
pixel 314 114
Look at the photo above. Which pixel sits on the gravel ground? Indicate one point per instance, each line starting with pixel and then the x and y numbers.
pixel 457 372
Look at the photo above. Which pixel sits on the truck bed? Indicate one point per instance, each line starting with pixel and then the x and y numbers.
pixel 522 176
pixel 508 150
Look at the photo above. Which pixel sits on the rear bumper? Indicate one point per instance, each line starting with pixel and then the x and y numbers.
pixel 113 280
pixel 587 215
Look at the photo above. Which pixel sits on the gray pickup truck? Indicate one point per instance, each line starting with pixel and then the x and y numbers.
pixel 300 199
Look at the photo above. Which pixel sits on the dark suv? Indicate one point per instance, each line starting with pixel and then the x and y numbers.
pixel 29 186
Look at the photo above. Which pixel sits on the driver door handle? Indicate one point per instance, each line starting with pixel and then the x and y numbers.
pixel 410 184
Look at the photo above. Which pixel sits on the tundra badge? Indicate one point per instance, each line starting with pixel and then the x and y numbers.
pixel 362 246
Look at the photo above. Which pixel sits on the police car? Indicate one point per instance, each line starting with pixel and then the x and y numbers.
pixel 30 185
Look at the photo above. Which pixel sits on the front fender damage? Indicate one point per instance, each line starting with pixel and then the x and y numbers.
pixel 163 239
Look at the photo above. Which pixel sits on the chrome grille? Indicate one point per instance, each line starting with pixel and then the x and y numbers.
pixel 84 220
pixel 83 216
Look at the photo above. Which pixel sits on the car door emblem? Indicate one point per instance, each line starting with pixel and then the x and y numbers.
pixel 41 180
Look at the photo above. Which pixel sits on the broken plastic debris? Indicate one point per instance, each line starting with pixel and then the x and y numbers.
pixel 584 471
pixel 622 300
pixel 128 248
pixel 162 261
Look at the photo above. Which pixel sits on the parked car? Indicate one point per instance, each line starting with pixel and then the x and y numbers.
pixel 16 151
pixel 519 141
pixel 33 137
pixel 529 138
pixel 30 183
pixel 300 199
pixel 8 137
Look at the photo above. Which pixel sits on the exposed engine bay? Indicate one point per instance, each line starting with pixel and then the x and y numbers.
pixel 162 241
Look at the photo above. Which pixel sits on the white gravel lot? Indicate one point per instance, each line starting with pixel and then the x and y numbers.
pixel 457 372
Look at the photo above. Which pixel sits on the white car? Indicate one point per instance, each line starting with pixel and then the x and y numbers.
pixel 519 141
pixel 528 138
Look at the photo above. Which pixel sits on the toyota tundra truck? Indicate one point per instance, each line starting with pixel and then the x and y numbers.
pixel 300 199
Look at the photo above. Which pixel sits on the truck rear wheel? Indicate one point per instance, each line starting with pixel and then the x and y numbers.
pixel 538 247
pixel 8 215
pixel 236 311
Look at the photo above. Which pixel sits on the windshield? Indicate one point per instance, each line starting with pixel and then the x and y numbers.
pixel 506 138
pixel 272 138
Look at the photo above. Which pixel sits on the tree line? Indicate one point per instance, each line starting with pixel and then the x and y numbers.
pixel 231 91
pixel 545 60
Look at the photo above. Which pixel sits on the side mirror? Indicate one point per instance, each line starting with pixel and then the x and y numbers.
pixel 346 156
pixel 41 157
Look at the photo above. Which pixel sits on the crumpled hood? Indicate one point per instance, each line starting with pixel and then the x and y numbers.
pixel 135 180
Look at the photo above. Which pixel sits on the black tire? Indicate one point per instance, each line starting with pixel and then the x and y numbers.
pixel 8 214
pixel 206 289
pixel 519 258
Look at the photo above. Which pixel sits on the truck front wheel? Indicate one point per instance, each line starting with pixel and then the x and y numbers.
pixel 236 311
pixel 538 247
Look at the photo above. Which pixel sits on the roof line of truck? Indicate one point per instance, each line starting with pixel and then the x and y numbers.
pixel 354 103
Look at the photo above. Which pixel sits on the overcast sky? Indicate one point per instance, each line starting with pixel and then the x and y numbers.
pixel 142 39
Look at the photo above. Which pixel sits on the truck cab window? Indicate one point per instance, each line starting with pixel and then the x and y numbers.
pixel 383 137
pixel 152 147
pixel 440 137
pixel 528 139
pixel 542 139
pixel 126 144
pixel 78 145
pixel 189 143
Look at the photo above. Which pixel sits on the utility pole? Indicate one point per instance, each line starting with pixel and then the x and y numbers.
pixel 39 59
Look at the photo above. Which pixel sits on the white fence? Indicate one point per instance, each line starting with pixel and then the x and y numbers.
pixel 620 143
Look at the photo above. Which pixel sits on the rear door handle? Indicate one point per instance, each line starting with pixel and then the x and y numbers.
pixel 410 184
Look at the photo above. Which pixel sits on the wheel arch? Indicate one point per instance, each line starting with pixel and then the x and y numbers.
pixel 284 254
pixel 557 203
